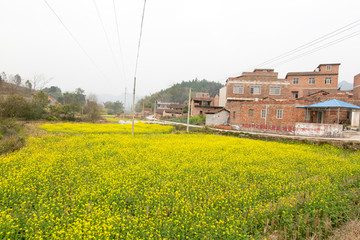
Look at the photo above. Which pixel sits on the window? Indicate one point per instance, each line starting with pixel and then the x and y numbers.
pixel 279 114
pixel 255 90
pixel 295 94
pixel 328 80
pixel 311 80
pixel 238 89
pixel 295 80
pixel 263 113
pixel 309 93
pixel 234 115
pixel 307 114
pixel 251 112
pixel 275 90
pixel 328 67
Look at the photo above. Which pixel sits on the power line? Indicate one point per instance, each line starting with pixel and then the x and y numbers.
pixel 77 41
pixel 105 33
pixel 136 66
pixel 356 33
pixel 119 43
pixel 311 43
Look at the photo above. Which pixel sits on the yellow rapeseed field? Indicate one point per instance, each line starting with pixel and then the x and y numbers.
pixel 172 186
pixel 141 128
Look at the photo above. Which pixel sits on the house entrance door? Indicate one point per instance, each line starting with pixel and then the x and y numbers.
pixel 320 117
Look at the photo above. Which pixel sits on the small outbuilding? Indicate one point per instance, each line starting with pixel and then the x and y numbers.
pixel 217 117
pixel 333 112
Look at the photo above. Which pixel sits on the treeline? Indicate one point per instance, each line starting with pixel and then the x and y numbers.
pixel 31 100
pixel 179 92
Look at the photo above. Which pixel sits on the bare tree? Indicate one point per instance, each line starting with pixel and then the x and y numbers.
pixel 39 81
pixel 11 87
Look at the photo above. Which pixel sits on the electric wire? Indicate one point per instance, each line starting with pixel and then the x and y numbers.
pixel 119 43
pixel 105 33
pixel 356 33
pixel 76 40
pixel 311 43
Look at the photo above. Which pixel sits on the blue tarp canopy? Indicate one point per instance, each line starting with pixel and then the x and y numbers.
pixel 333 103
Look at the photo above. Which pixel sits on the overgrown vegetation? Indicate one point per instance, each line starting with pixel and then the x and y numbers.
pixel 12 136
pixel 29 100
pixel 196 120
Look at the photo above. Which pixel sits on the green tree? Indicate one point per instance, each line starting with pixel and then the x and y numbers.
pixel 28 84
pixel 114 107
pixel 92 108
pixel 54 92
pixel 17 80
pixel 80 96
pixel 14 106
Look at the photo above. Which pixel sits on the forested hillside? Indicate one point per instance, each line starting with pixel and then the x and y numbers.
pixel 179 92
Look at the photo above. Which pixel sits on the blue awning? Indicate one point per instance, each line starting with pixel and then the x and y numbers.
pixel 333 103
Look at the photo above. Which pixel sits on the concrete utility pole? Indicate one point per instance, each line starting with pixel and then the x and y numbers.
pixel 144 108
pixel 124 102
pixel 136 66
pixel 188 116
pixel 154 108
pixel 133 109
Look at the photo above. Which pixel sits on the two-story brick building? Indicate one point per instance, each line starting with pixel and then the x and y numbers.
pixel 261 98
pixel 202 103
pixel 324 77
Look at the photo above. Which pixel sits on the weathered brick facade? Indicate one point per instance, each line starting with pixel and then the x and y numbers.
pixel 255 85
pixel 325 77
pixel 259 99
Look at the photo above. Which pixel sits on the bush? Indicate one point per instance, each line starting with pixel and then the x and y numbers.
pixel 51 118
pixel 196 120
pixel 14 107
pixel 11 143
pixel 11 137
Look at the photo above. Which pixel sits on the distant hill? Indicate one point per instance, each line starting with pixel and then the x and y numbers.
pixel 345 86
pixel 179 92
pixel 10 88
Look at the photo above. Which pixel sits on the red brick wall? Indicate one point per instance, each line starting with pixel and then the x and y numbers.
pixel 264 85
pixel 267 78
pixel 216 100
pixel 334 68
pixel 291 114
pixel 304 88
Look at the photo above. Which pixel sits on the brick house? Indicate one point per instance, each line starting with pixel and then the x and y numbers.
pixel 172 110
pixel 202 103
pixel 260 99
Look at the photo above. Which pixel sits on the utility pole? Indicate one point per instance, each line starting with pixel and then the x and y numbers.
pixel 136 66
pixel 124 103
pixel 144 108
pixel 133 109
pixel 188 116
pixel 154 108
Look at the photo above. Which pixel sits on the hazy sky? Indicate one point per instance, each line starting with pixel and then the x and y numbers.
pixel 182 40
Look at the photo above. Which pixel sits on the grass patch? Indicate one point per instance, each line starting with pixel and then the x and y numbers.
pixel 12 136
